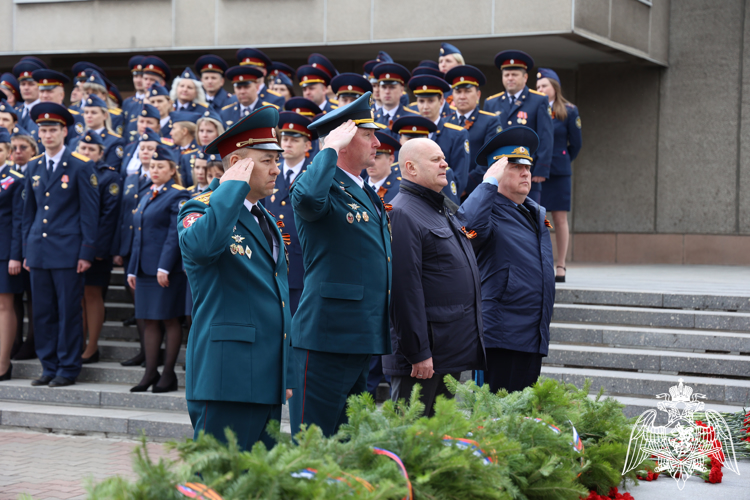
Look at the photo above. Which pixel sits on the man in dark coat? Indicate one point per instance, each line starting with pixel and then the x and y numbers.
pixel 436 306
pixel 514 253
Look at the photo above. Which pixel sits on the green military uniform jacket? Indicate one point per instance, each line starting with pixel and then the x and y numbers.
pixel 346 251
pixel 238 349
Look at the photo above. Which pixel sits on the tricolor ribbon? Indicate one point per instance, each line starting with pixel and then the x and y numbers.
pixel 395 458
pixel 198 491
pixel 468 443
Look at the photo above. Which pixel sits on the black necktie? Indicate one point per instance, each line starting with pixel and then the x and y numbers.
pixel 263 223
pixel 289 174
pixel 51 166
pixel 525 211
pixel 462 120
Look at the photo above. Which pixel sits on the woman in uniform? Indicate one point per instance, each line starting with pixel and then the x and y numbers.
pixel 11 283
pixel 96 279
pixel 97 119
pixel 567 145
pixel 209 127
pixel 155 269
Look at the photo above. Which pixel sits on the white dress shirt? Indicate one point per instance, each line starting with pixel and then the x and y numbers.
pixel 376 185
pixel 249 207
pixel 355 178
pixel 296 169
pixel 55 158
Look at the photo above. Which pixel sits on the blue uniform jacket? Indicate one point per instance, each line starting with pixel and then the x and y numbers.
pixel 346 249
pixel 11 213
pixel 134 188
pixel 61 212
pixel 155 244
pixel 118 119
pixel 390 186
pixel 114 147
pixel 193 107
pixel 109 208
pixel 231 113
pixel 518 275
pixel 271 97
pixel 280 205
pixel 568 142
pixel 130 106
pixel 221 99
pixel 186 161
pixel 454 141
pixel 239 344
pixel 383 118
pixel 436 311
pixel 482 126
pixel 535 114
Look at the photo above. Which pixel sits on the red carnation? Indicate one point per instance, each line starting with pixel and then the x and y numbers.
pixel 715 475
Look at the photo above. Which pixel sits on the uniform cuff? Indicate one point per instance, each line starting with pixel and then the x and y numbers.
pixel 163 271
pixel 490 180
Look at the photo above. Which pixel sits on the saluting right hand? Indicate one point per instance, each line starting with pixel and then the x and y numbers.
pixel 341 136
pixel 497 169
pixel 240 171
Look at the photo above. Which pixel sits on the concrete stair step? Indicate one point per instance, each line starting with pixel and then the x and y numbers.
pixel 645 385
pixel 570 294
pixel 117 277
pixel 92 395
pixel 120 350
pixel 662 338
pixel 105 371
pixel 118 311
pixel 130 422
pixel 113 330
pixel 646 360
pixel 652 317
pixel 117 293
pixel 635 406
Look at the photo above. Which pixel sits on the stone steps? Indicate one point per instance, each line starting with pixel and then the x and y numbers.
pixel 119 350
pixel 568 294
pixel 108 372
pixel 645 360
pixel 646 385
pixel 651 338
pixel 651 317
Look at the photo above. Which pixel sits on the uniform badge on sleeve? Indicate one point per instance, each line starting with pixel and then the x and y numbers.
pixel 114 189
pixel 466 145
pixel 79 128
pixel 453 188
pixel 93 180
pixel 190 219
pixel 578 122
pixel 119 151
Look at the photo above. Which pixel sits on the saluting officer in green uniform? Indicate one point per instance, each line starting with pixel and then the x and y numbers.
pixel 343 228
pixel 234 255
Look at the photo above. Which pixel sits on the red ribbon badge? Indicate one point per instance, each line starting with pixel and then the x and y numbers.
pixel 65 178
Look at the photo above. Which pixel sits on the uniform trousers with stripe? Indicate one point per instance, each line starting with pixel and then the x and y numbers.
pixel 324 382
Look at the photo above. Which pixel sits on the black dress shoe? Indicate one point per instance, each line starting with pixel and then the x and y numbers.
pixel 144 387
pixel 560 279
pixel 43 380
pixel 27 351
pixel 135 360
pixel 6 375
pixel 170 388
pixel 129 322
pixel 61 382
pixel 94 358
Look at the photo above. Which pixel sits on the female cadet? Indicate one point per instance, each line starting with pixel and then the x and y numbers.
pixel 155 269
pixel 97 119
pixel 187 92
pixel 209 126
pixel 567 144
pixel 135 187
pixel 282 85
pixel 97 277
pixel 11 283
pixel 23 147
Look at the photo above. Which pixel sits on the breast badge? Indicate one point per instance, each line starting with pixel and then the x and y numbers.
pixel 349 218
pixel 359 217
pixel 64 180
pixel 36 181
pixel 237 238
pixel 233 249
pixel 365 217
pixel 248 252
pixel 240 250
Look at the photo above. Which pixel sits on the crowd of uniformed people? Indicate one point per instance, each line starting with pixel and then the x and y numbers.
pixel 100 182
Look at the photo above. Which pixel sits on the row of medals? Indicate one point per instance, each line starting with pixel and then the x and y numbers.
pixel 236 248
pixel 350 217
